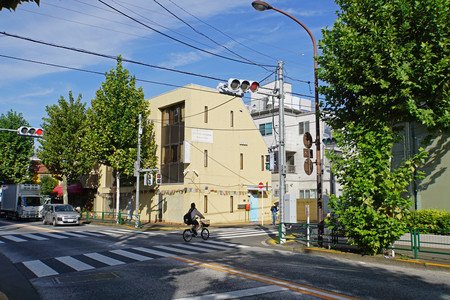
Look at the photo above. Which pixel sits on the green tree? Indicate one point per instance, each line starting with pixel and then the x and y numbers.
pixel 114 124
pixel 371 210
pixel 12 4
pixel 64 149
pixel 388 61
pixel 383 62
pixel 15 150
pixel 48 184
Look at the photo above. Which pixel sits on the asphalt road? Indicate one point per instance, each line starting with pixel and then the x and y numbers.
pixel 98 262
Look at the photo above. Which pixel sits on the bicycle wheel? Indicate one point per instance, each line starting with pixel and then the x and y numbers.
pixel 205 233
pixel 187 235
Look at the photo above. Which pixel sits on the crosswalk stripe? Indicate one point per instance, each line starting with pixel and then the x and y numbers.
pixel 54 235
pixel 104 259
pixel 154 252
pixel 111 233
pixel 226 244
pixel 74 263
pixel 13 238
pixel 132 255
pixel 212 246
pixel 176 250
pixel 39 268
pixel 195 248
pixel 240 293
pixel 236 235
pixel 34 237
pixel 73 234
pixel 92 233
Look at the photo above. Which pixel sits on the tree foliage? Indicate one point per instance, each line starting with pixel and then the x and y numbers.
pixel 12 4
pixel 64 149
pixel 388 60
pixel 371 210
pixel 15 150
pixel 114 116
pixel 48 184
pixel 383 62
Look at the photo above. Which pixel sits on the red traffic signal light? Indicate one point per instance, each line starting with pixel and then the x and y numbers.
pixel 238 87
pixel 158 178
pixel 30 131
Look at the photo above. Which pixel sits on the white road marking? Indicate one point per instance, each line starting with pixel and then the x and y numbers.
pixel 74 263
pixel 39 268
pixel 131 255
pixel 239 294
pixel 104 259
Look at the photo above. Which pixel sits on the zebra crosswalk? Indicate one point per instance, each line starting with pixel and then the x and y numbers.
pixel 43 236
pixel 216 233
pixel 90 261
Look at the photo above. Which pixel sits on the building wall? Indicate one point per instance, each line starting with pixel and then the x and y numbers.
pixel 223 176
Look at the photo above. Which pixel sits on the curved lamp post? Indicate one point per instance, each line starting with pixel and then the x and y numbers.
pixel 262 6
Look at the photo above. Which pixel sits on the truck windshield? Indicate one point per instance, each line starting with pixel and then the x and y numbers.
pixel 31 201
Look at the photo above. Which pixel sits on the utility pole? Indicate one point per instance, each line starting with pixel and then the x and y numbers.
pixel 281 150
pixel 138 171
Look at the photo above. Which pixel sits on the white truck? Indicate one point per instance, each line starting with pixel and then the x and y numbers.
pixel 21 201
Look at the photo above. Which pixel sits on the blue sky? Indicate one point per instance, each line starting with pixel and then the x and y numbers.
pixel 231 28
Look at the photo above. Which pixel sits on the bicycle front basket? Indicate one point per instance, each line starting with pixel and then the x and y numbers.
pixel 205 223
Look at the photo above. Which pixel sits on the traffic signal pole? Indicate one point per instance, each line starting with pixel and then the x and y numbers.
pixel 281 151
pixel 138 175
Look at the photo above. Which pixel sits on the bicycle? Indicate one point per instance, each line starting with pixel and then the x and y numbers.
pixel 204 232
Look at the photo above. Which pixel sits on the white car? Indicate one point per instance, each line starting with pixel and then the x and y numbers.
pixel 60 214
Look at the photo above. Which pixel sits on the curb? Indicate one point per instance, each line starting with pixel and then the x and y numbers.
pixel 417 264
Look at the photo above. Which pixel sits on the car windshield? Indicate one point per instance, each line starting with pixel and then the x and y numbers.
pixel 64 208
pixel 31 201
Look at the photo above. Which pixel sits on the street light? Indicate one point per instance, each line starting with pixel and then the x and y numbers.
pixel 262 6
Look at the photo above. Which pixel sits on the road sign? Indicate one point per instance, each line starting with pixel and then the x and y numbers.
pixel 261 186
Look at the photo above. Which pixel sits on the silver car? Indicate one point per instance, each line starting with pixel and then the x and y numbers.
pixel 60 214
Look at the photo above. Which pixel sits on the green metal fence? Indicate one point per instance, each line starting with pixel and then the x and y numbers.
pixel 110 217
pixel 417 240
pixel 424 240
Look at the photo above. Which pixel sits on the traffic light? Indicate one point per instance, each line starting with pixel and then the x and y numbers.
pixel 158 178
pixel 238 87
pixel 30 131
pixel 148 179
pixel 329 141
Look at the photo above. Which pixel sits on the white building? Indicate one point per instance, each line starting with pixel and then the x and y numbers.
pixel 299 118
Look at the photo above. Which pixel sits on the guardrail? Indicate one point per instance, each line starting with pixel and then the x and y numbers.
pixel 417 240
pixel 110 217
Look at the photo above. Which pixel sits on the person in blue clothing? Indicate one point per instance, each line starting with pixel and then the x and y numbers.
pixel 274 210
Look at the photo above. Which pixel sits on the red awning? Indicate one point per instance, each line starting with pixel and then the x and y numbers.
pixel 71 189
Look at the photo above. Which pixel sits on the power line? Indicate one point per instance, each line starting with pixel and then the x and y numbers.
pixel 109 56
pixel 179 41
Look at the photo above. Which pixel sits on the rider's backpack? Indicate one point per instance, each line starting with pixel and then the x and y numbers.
pixel 187 218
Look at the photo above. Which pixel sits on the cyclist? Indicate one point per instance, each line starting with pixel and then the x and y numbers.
pixel 194 214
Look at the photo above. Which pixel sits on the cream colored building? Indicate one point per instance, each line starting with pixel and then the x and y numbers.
pixel 209 153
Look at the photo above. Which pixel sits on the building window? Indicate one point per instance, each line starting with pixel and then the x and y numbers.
pixel 265 129
pixel 206 114
pixel 231 204
pixel 231 119
pixel 205 158
pixel 303 127
pixel 307 194
pixel 205 204
pixel 242 161
pixel 172 138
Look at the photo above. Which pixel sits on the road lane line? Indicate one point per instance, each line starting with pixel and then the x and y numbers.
pixel 104 259
pixel 273 281
pixel 74 263
pixel 39 268
pixel 239 293
pixel 131 255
